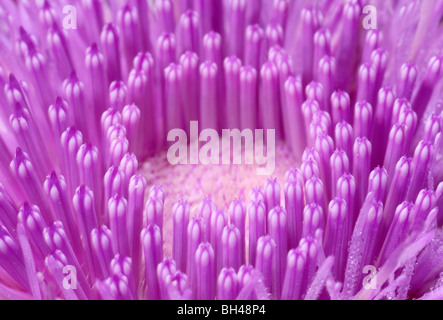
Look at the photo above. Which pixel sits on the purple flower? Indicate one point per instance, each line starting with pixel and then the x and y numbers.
pixel 90 208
